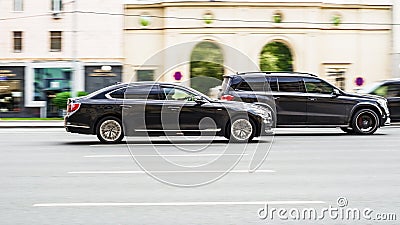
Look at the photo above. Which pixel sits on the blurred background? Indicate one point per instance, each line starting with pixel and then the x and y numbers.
pixel 48 47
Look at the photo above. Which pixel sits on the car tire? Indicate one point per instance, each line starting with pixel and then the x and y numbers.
pixel 347 130
pixel 365 122
pixel 241 130
pixel 109 130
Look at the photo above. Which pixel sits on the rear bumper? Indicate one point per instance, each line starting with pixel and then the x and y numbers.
pixel 76 127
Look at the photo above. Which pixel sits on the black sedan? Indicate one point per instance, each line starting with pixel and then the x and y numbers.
pixel 158 109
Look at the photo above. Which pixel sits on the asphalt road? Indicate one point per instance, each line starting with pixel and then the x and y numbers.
pixel 49 176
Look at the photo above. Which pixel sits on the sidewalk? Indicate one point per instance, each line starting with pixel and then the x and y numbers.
pixel 31 124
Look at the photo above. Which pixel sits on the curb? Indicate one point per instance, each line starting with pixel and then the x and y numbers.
pixel 11 126
pixel 31 124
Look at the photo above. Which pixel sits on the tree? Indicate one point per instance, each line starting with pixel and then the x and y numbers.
pixel 276 56
pixel 60 101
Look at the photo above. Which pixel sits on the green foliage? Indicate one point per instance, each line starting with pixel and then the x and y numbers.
pixel 277 18
pixel 336 20
pixel 60 101
pixel 276 56
pixel 81 93
pixel 206 61
pixel 144 21
pixel 208 18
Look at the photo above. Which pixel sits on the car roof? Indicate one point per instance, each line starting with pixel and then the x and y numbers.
pixel 255 74
pixel 391 80
pixel 147 83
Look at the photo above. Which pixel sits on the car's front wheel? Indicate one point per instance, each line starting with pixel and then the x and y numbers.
pixel 241 130
pixel 365 121
pixel 109 130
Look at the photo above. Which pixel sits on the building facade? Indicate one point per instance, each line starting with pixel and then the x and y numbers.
pixel 52 46
pixel 350 43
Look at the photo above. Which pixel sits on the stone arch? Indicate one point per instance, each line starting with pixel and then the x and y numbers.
pixel 277 55
pixel 206 60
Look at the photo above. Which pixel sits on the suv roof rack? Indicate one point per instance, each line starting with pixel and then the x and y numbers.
pixel 278 72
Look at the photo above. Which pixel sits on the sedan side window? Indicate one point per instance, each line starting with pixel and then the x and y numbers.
pixel 118 93
pixel 177 94
pixel 317 86
pixel 145 92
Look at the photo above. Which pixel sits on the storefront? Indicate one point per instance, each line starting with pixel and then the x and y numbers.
pixel 99 76
pixel 12 92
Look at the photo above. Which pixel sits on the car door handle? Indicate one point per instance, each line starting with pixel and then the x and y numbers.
pixel 174 108
pixel 312 99
pixel 126 106
pixel 276 98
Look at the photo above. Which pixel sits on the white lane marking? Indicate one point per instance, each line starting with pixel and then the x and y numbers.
pixel 174 203
pixel 160 144
pixel 187 155
pixel 166 171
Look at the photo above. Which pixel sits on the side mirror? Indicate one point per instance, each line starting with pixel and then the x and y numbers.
pixel 199 99
pixel 335 93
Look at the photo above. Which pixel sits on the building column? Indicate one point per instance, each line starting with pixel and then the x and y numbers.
pixel 396 40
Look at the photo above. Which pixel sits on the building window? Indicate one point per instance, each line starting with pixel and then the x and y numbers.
pixel 18 5
pixel 145 75
pixel 17 41
pixel 337 77
pixel 55 41
pixel 56 5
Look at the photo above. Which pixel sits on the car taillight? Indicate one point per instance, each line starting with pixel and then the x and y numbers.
pixel 73 107
pixel 227 97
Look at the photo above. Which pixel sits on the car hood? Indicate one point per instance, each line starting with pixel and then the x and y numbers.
pixel 231 103
pixel 365 96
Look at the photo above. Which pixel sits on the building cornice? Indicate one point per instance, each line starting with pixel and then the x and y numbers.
pixel 320 5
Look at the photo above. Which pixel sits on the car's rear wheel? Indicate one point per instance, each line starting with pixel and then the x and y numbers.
pixel 241 130
pixel 365 121
pixel 109 130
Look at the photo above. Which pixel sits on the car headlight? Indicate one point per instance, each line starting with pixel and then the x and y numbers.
pixel 260 110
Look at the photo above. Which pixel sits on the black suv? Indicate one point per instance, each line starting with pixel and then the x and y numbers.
pixel 158 109
pixel 304 100
pixel 390 89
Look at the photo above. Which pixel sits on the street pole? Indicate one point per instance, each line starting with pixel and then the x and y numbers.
pixel 75 70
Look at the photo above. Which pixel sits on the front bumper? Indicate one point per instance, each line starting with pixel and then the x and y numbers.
pixel 387 122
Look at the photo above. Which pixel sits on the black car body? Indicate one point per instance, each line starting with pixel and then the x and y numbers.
pixel 304 100
pixel 390 89
pixel 162 109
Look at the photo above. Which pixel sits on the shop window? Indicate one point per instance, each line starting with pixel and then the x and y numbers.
pixel 10 95
pixel 49 81
pixel 55 41
pixel 17 41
